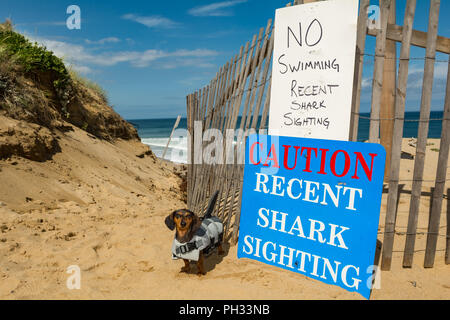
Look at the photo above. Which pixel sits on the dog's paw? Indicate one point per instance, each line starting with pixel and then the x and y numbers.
pixel 185 269
pixel 201 273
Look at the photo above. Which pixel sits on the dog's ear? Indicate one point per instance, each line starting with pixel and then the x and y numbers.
pixel 169 221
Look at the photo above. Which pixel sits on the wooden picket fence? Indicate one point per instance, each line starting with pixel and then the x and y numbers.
pixel 238 98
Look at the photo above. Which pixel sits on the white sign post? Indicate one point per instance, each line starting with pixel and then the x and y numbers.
pixel 312 71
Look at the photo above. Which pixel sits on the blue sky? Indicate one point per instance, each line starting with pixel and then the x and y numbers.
pixel 148 55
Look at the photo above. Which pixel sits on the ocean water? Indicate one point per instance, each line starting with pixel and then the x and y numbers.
pixel 155 133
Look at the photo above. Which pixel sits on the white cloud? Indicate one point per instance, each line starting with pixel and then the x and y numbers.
pixel 151 21
pixel 414 86
pixel 193 80
pixel 195 53
pixel 79 57
pixel 175 63
pixel 103 41
pixel 415 75
pixel 215 9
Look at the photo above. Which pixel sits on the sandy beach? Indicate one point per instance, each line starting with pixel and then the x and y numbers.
pixel 79 189
pixel 102 205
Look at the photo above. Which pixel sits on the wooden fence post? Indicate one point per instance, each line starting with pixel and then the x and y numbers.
pixel 189 103
pixel 378 68
pixel 171 134
pixel 391 210
pixel 387 108
pixel 419 161
pixel 438 194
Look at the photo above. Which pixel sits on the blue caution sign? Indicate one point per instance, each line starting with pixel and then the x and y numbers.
pixel 312 206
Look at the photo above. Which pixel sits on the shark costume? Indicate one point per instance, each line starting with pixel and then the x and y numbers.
pixel 207 237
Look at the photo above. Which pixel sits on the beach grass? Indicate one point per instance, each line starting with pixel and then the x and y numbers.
pixel 77 78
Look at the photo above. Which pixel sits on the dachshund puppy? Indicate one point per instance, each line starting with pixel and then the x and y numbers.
pixel 195 237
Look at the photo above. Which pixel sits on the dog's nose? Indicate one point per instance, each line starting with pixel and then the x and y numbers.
pixel 183 223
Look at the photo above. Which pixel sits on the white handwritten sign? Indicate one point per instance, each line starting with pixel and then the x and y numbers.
pixel 312 72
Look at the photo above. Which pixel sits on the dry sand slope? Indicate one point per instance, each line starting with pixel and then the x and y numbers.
pixel 99 206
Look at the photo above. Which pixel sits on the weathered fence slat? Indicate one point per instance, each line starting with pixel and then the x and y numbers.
pixel 245 120
pixel 438 193
pixel 247 109
pixel 240 91
pixel 256 63
pixel 447 242
pixel 228 143
pixel 206 183
pixel 234 185
pixel 387 105
pixel 223 101
pixel 268 45
pixel 196 116
pixel 204 104
pixel 257 85
pixel 195 113
pixel 200 187
pixel 377 85
pixel 189 169
pixel 171 135
pixel 219 173
pixel 206 125
pixel 419 161
pixel 391 211
pixel 265 113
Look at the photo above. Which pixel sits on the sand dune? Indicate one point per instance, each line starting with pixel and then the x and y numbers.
pixel 99 206
pixel 73 193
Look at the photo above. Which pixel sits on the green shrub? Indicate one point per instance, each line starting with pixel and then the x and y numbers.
pixel 33 57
